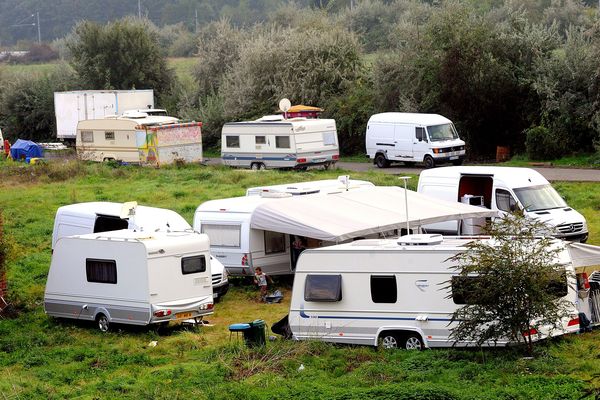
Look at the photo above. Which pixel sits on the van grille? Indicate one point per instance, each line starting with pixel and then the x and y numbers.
pixel 570 228
pixel 216 278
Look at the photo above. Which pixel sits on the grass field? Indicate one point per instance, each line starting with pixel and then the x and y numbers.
pixel 45 358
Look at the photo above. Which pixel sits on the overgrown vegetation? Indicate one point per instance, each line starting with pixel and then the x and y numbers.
pixel 46 358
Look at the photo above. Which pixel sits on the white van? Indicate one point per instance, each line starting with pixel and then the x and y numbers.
pixel 129 277
pixel 504 189
pixel 103 216
pixel 365 292
pixel 275 142
pixel 409 138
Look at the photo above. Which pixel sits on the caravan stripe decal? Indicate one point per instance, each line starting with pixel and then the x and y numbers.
pixel 227 157
pixel 304 315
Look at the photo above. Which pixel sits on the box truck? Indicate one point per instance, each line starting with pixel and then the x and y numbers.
pixel 129 277
pixel 503 189
pixel 411 137
pixel 275 142
pixel 397 293
pixel 74 106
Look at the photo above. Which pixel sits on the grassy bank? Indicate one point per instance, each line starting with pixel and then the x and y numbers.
pixel 46 358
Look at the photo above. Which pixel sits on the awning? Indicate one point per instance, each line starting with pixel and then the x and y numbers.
pixel 345 215
pixel 584 255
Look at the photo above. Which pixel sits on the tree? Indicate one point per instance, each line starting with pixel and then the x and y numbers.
pixel 120 55
pixel 512 285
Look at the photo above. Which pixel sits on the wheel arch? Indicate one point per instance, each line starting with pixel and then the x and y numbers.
pixel 401 331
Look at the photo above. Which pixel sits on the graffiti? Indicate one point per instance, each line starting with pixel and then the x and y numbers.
pixel 180 135
pixel 150 141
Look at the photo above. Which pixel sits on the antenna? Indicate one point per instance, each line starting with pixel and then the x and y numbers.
pixel 284 105
pixel 405 179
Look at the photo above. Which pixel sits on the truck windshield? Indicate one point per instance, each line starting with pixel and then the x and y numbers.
pixel 437 133
pixel 542 197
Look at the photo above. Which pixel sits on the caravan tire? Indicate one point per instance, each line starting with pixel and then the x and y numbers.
pixel 389 340
pixel 258 166
pixel 103 322
pixel 413 341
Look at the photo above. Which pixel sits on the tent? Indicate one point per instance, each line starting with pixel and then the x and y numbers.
pixel 339 216
pixel 23 149
pixel 584 256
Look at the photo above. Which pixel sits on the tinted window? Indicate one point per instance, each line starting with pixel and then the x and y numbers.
pixel 192 265
pixel 282 142
pixel 384 289
pixel 505 201
pixel 420 134
pixel 101 271
pixel 109 135
pixel 462 287
pixel 232 141
pixel 260 140
pixel 105 223
pixel 274 242
pixel 323 288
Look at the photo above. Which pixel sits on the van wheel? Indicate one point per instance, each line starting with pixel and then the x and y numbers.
pixel 381 161
pixel 103 322
pixel 429 161
pixel 389 340
pixel 413 342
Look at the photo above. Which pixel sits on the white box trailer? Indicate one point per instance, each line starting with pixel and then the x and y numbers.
pixel 502 189
pixel 139 138
pixel 392 292
pixel 129 277
pixel 104 216
pixel 74 106
pixel 413 137
pixel 275 142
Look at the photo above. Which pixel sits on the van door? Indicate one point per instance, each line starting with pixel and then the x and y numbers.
pixel 421 144
pixel 505 201
pixel 404 135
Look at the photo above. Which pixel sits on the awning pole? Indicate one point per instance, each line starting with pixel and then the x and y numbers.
pixel 405 179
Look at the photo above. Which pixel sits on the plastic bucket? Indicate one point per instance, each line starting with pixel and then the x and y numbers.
pixel 255 336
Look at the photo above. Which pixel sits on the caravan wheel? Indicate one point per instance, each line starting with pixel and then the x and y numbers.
pixel 389 340
pixel 258 166
pixel 103 322
pixel 413 342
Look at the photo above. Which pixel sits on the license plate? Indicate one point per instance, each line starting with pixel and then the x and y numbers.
pixel 183 315
pixel 454 158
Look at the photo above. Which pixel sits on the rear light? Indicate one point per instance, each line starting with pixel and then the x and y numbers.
pixel 207 306
pixel 245 259
pixel 573 322
pixel 162 313
pixel 335 157
pixel 301 160
pixel 530 332
pixel 586 281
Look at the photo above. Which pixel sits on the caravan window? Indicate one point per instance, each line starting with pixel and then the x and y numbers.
pixel 192 265
pixel 329 138
pixel 223 235
pixel 232 141
pixel 282 142
pixel 87 136
pixel 326 288
pixel 274 242
pixel 462 287
pixel 109 135
pixel 260 140
pixel 101 271
pixel 384 289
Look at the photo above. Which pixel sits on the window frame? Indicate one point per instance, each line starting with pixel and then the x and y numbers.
pixel 232 137
pixel 512 202
pixel 87 136
pixel 325 299
pixel 196 257
pixel 329 138
pixel 263 138
pixel 423 134
pixel 107 135
pixel 275 234
pixel 212 243
pixel 383 300
pixel 278 144
pixel 112 264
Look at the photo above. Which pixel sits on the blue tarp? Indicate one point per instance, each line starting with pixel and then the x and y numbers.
pixel 23 149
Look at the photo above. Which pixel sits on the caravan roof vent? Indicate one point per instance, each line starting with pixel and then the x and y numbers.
pixel 420 240
pixel 274 195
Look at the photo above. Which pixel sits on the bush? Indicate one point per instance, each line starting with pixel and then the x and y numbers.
pixel 541 144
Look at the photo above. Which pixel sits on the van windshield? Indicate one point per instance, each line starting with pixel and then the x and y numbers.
pixel 437 133
pixel 542 197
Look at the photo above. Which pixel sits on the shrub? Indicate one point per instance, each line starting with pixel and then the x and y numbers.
pixel 541 144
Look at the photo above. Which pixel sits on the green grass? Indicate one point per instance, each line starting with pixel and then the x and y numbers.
pixel 184 67
pixel 573 161
pixel 49 359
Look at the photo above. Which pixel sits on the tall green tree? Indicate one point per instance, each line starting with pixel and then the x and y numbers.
pixel 120 55
pixel 512 285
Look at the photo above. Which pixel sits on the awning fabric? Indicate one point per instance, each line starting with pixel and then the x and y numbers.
pixel 584 255
pixel 345 215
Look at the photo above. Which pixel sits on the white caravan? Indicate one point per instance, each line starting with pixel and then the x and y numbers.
pixel 103 216
pixel 275 142
pixel 129 277
pixel 343 182
pixel 504 189
pixel 391 292
pixel 409 138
